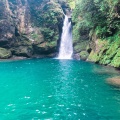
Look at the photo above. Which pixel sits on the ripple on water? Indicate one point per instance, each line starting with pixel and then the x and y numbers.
pixel 56 114
pixel 9 105
pixel 50 96
pixel 50 107
pixel 60 105
pixel 26 97
pixel 75 113
pixel 44 112
pixel 38 111
pixel 49 89
pixel 13 110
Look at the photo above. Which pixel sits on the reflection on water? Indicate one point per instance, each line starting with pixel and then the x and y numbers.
pixel 65 94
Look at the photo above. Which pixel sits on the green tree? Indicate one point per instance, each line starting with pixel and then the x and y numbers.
pixel 102 17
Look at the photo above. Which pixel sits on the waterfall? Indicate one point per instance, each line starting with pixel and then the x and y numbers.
pixel 66 47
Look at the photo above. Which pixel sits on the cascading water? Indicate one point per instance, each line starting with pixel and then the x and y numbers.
pixel 66 47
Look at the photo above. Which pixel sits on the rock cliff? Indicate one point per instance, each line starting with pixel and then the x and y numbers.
pixel 30 28
pixel 97 32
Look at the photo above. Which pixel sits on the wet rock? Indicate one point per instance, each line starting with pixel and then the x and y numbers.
pixel 115 81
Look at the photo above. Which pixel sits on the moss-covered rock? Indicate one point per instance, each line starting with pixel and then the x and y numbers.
pixel 25 25
pixel 104 37
pixel 84 55
pixel 106 53
pixel 80 46
pixel 45 47
pixel 93 57
pixel 25 51
pixel 4 53
pixel 116 60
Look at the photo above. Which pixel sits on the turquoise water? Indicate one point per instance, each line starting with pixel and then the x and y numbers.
pixel 50 89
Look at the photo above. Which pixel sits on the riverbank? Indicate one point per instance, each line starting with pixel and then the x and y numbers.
pixel 54 56
pixel 14 58
pixel 96 35
pixel 101 51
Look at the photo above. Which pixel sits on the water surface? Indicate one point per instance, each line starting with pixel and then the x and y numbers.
pixel 50 89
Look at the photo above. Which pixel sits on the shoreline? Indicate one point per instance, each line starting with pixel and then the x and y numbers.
pixel 16 58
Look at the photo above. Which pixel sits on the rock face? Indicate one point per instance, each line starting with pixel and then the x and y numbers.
pixel 30 27
pixel 106 52
pixel 95 38
pixel 101 51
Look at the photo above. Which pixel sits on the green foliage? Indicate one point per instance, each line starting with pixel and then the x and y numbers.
pixel 13 1
pixel 34 36
pixel 115 37
pixel 102 16
pixel 71 3
pixel 84 55
pixel 48 33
